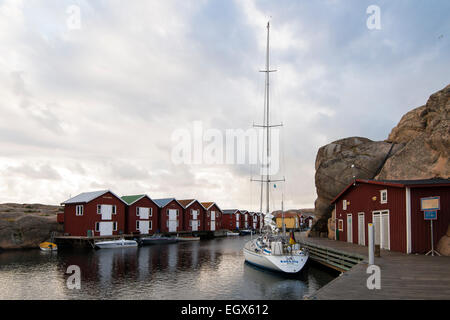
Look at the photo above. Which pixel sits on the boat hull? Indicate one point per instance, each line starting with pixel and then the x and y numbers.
pixel 116 244
pixel 153 241
pixel 188 238
pixel 48 246
pixel 282 263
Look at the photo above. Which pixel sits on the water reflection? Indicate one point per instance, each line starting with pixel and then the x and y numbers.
pixel 210 269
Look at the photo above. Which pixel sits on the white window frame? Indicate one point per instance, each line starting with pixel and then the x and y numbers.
pixel 114 209
pixel 385 192
pixel 137 224
pixel 150 213
pixel 341 222
pixel 115 225
pixel 79 210
pixel 150 225
pixel 137 211
pixel 97 226
pixel 344 204
pixel 99 209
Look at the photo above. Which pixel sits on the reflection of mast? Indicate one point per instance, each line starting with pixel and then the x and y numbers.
pixel 266 127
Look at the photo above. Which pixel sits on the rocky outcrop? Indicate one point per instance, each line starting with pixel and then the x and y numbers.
pixel 417 148
pixel 425 131
pixel 338 162
pixel 25 226
pixel 443 246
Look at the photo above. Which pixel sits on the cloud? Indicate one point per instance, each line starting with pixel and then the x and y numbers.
pixel 95 108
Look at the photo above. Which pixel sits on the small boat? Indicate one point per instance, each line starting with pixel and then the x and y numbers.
pixel 188 238
pixel 111 244
pixel 230 233
pixel 48 246
pixel 245 232
pixel 157 240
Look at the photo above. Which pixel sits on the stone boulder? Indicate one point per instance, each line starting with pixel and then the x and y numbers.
pixel 425 131
pixel 334 169
pixel 443 246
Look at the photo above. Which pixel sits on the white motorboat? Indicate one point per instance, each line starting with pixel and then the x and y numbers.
pixel 111 244
pixel 230 233
pixel 271 249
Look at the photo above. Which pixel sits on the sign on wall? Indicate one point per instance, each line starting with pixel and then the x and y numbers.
pixel 430 214
pixel 430 203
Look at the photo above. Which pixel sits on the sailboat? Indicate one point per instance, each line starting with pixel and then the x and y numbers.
pixel 272 250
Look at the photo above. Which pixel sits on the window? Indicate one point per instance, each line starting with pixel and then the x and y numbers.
pixel 114 211
pixel 151 213
pixel 79 210
pixel 383 196
pixel 344 204
pixel 341 225
pixel 97 227
pixel 99 209
pixel 137 224
pixel 137 213
pixel 115 225
pixel 150 225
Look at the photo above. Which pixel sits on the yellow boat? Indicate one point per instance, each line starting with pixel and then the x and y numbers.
pixel 48 246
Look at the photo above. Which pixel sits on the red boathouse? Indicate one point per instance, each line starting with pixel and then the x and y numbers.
pixel 193 215
pixel 170 215
pixel 230 219
pixel 141 214
pixel 213 217
pixel 98 213
pixel 394 208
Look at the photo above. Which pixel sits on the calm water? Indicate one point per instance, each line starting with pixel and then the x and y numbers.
pixel 208 269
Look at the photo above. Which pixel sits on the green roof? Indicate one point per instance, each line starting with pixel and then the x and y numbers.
pixel 132 199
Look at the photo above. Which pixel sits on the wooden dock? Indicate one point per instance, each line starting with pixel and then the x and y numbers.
pixel 403 276
pixel 88 242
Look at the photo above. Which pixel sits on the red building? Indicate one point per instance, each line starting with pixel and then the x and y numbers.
pixel 245 221
pixel 213 217
pixel 394 208
pixel 231 219
pixel 170 215
pixel 141 214
pixel 98 213
pixel 254 220
pixel 193 215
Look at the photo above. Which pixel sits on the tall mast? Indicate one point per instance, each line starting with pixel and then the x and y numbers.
pixel 265 178
pixel 267 121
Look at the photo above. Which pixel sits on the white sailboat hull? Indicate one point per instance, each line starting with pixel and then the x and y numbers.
pixel 291 263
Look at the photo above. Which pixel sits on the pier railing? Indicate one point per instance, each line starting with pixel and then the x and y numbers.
pixel 334 258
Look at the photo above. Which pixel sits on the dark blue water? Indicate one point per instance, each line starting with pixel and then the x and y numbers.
pixel 207 269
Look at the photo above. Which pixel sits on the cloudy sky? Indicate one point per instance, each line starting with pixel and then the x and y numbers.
pixel 94 105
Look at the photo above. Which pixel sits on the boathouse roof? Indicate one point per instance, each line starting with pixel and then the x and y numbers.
pixel 86 197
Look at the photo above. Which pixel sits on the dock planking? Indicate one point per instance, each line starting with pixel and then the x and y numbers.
pixel 403 276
